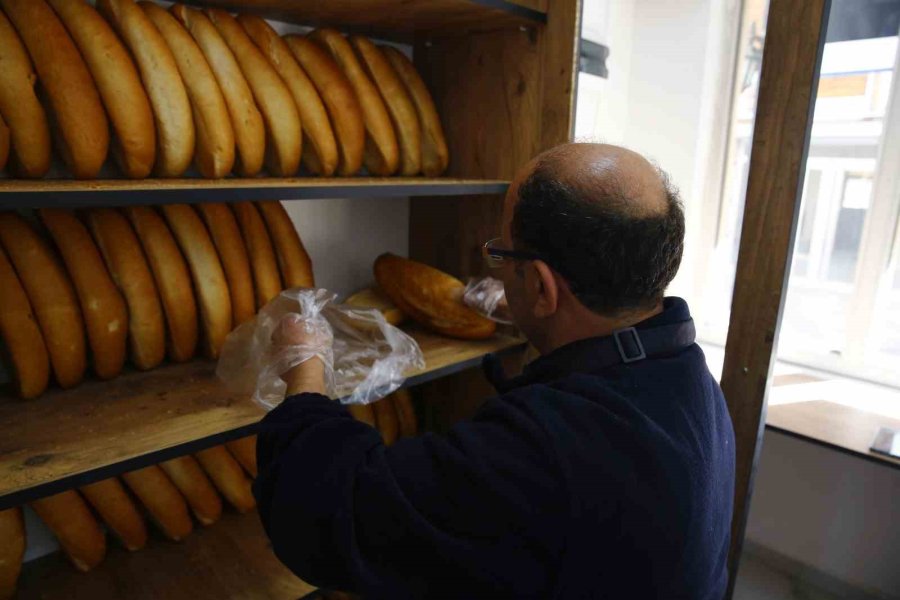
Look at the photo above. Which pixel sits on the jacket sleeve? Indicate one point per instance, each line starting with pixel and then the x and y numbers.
pixel 466 509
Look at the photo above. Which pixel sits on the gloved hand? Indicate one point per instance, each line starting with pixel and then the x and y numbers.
pixel 293 331
pixel 488 297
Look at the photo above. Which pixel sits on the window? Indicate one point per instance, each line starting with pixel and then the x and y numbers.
pixel 842 310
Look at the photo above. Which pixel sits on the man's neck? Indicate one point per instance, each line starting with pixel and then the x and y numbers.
pixel 584 324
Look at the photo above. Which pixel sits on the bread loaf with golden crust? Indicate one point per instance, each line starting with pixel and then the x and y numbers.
pixel 67 515
pixel 188 477
pixel 162 500
pixel 162 82
pixel 266 280
pixel 373 297
pixel 4 143
pixel 172 279
pixel 386 420
pixel 397 100
pixel 77 112
pixel 228 477
pixel 128 267
pixel 206 272
pixel 214 147
pixel 382 153
pixel 12 550
pixel 430 297
pixel 244 451
pixel 246 120
pixel 50 295
pixel 319 152
pixel 116 509
pixel 435 154
pixel 119 85
pixel 284 136
pixel 102 305
pixel 21 334
pixel 226 235
pixel 19 105
pixel 339 98
pixel 293 260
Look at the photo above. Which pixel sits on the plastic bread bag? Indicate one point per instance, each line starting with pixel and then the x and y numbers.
pixel 488 297
pixel 365 358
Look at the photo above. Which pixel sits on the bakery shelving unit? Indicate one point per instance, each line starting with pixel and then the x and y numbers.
pixel 502 74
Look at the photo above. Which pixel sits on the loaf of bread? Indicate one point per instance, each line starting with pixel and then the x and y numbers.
pixel 172 278
pixel 162 82
pixel 430 297
pixel 293 261
pixel 188 477
pixel 206 272
pixel 226 235
pixel 382 154
pixel 406 414
pixel 117 80
pixel 161 499
pixel 115 508
pixel 4 143
pixel 319 153
pixel 50 295
pixel 244 450
pixel 362 412
pixel 373 297
pixel 20 107
pixel 75 103
pixel 71 521
pixel 21 335
pixel 214 148
pixel 246 120
pixel 12 550
pixel 266 280
pixel 228 477
pixel 126 263
pixel 435 155
pixel 284 137
pixel 386 420
pixel 102 305
pixel 339 99
pixel 398 101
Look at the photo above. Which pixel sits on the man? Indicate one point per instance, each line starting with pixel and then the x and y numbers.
pixel 604 471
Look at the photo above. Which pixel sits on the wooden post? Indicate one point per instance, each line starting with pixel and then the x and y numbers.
pixel 795 38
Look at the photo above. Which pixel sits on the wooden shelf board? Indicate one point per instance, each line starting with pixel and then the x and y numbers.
pixel 67 438
pixel 834 426
pixel 399 20
pixel 17 193
pixel 230 559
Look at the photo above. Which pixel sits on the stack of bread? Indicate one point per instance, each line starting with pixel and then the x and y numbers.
pixel 168 88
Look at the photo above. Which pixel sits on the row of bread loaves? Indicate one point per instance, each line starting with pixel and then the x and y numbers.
pixel 168 88
pixel 139 282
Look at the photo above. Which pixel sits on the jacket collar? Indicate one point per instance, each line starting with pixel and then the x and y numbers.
pixel 663 334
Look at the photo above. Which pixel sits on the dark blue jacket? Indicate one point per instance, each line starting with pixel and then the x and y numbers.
pixel 584 479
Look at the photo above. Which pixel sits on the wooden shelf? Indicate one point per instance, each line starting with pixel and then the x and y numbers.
pixel 17 193
pixel 67 438
pixel 230 559
pixel 399 20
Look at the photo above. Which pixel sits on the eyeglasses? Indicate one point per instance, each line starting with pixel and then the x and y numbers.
pixel 495 256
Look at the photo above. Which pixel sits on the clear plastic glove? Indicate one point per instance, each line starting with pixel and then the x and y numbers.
pixel 363 358
pixel 488 297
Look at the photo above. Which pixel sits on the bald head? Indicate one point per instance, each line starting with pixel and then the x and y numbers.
pixel 605 173
pixel 605 218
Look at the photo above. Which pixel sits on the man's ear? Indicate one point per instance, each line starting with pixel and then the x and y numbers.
pixel 546 290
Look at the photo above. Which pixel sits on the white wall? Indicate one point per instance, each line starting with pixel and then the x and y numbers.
pixel 837 514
